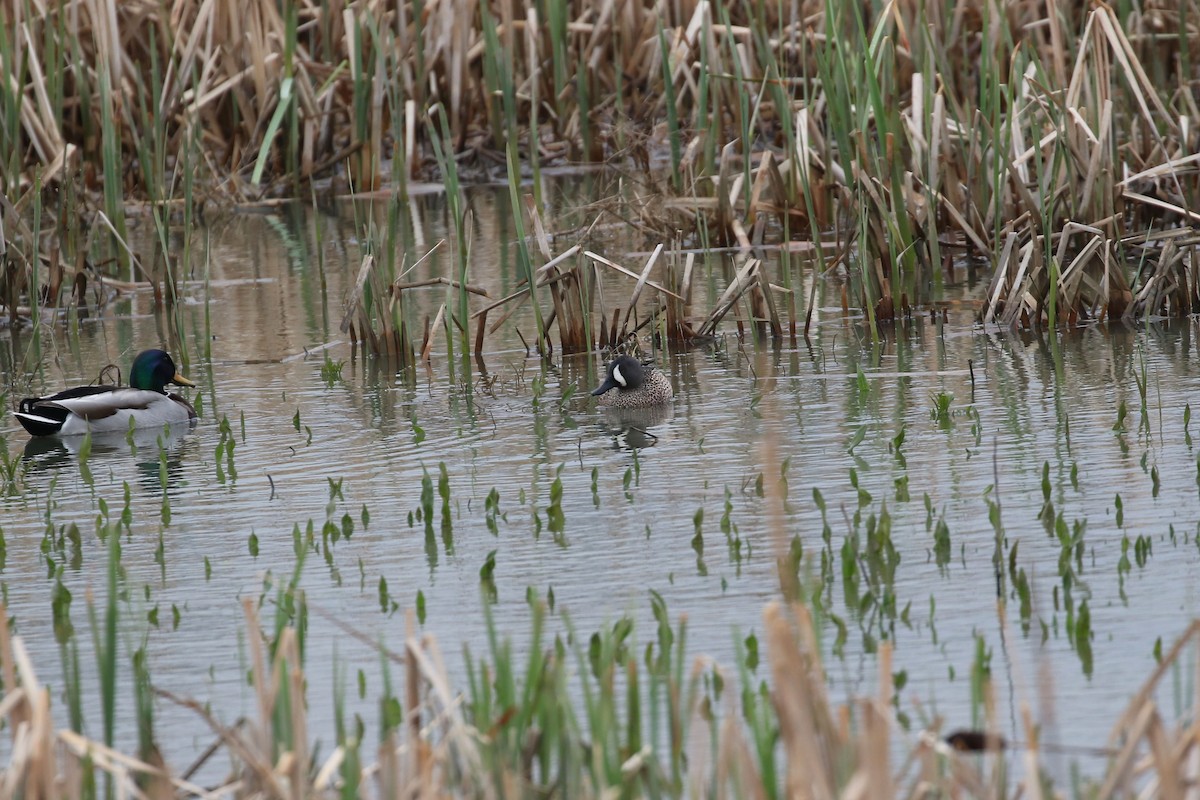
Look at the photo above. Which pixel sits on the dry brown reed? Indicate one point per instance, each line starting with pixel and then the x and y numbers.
pixel 1055 140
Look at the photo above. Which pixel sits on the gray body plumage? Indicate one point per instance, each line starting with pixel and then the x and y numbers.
pixel 108 412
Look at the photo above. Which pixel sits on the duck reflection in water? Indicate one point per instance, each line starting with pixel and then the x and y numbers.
pixel 50 454
pixel 630 428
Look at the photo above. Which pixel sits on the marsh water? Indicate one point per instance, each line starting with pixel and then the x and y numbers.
pixel 939 429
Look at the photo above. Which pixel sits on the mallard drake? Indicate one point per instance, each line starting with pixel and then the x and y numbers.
pixel 145 403
pixel 636 385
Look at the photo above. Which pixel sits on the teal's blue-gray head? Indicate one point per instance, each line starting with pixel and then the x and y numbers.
pixel 624 373
pixel 153 370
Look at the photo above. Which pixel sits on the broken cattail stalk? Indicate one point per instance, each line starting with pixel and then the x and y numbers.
pixel 427 345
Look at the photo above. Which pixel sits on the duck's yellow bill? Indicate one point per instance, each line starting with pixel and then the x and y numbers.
pixel 182 381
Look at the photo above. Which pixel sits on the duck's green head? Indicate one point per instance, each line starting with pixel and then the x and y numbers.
pixel 153 370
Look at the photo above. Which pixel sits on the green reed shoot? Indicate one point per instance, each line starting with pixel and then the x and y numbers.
pixel 364 162
pixel 421 70
pixel 143 696
pixel 743 112
pixel 292 150
pixel 400 165
pixel 501 60
pixel 673 131
pixel 534 138
pixel 12 472
pixel 932 101
pixel 72 676
pixel 104 643
pixel 110 156
pixel 772 82
pixel 756 706
pixel 35 262
pixel 556 22
pixel 151 139
pixel 458 217
pixel 284 110
pixel 888 128
pixel 11 99
pixel 707 119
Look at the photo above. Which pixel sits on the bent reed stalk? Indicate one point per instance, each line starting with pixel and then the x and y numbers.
pixel 1053 142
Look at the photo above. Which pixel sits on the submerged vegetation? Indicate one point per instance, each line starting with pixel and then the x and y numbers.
pixel 579 714
pixel 1048 144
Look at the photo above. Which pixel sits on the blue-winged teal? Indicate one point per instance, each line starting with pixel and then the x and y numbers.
pixel 145 403
pixel 631 384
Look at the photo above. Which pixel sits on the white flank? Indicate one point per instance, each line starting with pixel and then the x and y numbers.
pixel 111 411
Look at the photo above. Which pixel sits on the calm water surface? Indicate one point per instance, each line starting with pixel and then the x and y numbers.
pixel 832 409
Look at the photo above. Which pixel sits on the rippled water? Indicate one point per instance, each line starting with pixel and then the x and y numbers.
pixel 832 408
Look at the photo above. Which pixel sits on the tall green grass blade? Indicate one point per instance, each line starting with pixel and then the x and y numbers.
pixel 113 164
pixel 673 132
pixel 283 110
